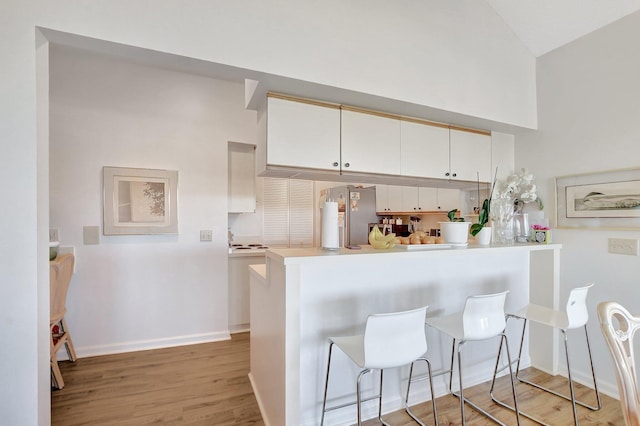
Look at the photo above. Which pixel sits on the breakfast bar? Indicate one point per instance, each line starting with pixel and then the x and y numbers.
pixel 303 296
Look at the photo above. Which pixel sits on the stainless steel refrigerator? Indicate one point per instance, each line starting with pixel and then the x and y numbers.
pixel 356 209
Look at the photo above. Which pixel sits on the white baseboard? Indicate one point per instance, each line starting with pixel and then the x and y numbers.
pixel 259 400
pixel 239 328
pixel 143 345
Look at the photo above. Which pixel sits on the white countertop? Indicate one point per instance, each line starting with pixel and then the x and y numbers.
pixel 299 255
pixel 247 253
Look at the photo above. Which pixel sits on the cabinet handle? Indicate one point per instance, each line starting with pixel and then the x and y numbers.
pixel 335 164
pixel 454 175
pixel 347 164
pixel 446 174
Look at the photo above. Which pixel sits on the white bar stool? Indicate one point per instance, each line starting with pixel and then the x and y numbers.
pixel 575 316
pixel 389 340
pixel 483 318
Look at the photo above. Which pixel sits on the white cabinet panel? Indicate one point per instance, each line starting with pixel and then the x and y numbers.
pixel 382 198
pixel 428 198
pixel 470 154
pixel 449 199
pixel 388 198
pixel 395 198
pixel 424 150
pixel 370 143
pixel 242 178
pixel 303 135
pixel 409 199
pixel 418 199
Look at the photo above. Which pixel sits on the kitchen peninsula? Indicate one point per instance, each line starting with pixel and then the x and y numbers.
pixel 302 296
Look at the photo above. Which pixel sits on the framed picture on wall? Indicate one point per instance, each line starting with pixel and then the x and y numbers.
pixel 608 199
pixel 140 201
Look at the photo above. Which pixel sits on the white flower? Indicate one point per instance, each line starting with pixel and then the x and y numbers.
pixel 518 187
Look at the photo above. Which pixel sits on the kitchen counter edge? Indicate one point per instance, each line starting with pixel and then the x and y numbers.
pixel 292 256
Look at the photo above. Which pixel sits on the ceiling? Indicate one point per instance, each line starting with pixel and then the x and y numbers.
pixel 544 25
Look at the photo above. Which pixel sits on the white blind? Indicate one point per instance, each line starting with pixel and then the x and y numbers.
pixel 276 212
pixel 300 213
pixel 288 212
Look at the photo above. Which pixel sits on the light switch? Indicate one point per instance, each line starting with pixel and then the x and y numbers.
pixel 206 235
pixel 54 235
pixel 91 235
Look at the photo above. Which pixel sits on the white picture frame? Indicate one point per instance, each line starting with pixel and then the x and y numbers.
pixel 608 199
pixel 140 201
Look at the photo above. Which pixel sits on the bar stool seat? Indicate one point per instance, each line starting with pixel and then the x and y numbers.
pixel 574 316
pixel 389 340
pixel 483 318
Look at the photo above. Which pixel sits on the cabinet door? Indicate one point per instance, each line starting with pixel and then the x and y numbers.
pixel 470 155
pixel 303 135
pixel 424 150
pixel 449 199
pixel 370 143
pixel 428 199
pixel 382 199
pixel 394 195
pixel 409 199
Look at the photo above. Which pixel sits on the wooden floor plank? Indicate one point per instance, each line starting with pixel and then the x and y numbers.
pixel 207 384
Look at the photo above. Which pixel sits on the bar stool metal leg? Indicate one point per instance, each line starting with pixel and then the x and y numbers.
pixel 571 398
pixel 433 398
pixel 463 400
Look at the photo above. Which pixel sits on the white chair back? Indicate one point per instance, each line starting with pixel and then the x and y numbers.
pixel 394 339
pixel 619 334
pixel 483 316
pixel 577 313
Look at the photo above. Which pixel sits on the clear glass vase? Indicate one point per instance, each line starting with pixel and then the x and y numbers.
pixel 521 228
pixel 502 221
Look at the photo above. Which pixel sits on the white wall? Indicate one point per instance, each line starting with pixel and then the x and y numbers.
pixel 133 292
pixel 588 112
pixel 457 56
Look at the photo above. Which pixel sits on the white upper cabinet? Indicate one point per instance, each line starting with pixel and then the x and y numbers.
pixel 370 143
pixel 303 134
pixel 470 154
pixel 418 199
pixel 330 139
pixel 388 198
pixel 242 178
pixel 424 150
pixel 448 199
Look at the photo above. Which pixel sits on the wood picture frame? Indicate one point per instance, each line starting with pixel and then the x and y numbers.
pixel 608 199
pixel 140 201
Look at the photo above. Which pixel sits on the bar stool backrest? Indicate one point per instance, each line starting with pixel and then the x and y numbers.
pixel 394 339
pixel 60 271
pixel 577 313
pixel 619 334
pixel 483 316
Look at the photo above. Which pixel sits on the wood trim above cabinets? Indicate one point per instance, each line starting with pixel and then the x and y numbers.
pixel 377 113
pixel 304 100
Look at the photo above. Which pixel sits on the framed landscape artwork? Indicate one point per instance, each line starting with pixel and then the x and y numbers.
pixel 140 201
pixel 599 200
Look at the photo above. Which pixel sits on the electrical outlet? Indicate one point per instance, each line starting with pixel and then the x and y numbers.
pixel 623 246
pixel 206 235
pixel 54 234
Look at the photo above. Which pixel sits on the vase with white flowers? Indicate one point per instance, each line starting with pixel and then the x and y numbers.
pixel 507 208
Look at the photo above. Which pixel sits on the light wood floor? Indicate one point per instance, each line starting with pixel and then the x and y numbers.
pixel 207 384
